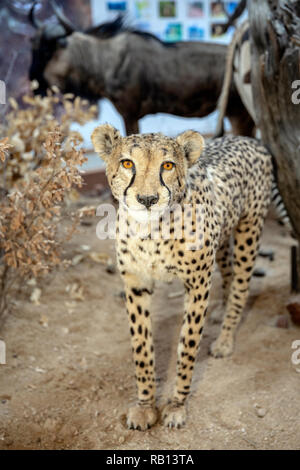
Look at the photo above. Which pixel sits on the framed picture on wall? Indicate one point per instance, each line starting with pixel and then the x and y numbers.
pixel 195 9
pixel 116 6
pixel 173 32
pixel 142 9
pixel 195 33
pixel 217 30
pixel 167 9
pixel 217 10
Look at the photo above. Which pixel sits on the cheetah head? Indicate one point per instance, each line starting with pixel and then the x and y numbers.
pixel 147 172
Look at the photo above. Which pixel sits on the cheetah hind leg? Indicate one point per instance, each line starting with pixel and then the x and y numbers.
pixel 224 261
pixel 246 247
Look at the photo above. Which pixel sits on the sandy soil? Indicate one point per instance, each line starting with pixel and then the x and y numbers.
pixel 69 373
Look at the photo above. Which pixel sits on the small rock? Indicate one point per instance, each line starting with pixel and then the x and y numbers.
pixel 294 311
pixel 111 268
pixel 86 223
pixel 83 363
pixel 261 412
pixel 121 294
pixel 50 424
pixel 267 253
pixel 85 247
pixel 36 295
pixel 259 272
pixel 282 321
pixel 67 431
pixel 174 295
pixel 40 370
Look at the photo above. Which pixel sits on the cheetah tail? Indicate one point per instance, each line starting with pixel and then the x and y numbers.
pixel 280 209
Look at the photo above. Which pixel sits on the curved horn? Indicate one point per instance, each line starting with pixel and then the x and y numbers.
pixel 62 18
pixel 33 20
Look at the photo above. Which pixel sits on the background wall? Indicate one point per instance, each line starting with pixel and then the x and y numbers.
pixel 15 34
pixel 170 21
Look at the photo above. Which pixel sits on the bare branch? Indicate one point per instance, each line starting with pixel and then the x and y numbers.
pixel 236 14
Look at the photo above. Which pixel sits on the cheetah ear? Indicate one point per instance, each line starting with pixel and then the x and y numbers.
pixel 193 145
pixel 104 138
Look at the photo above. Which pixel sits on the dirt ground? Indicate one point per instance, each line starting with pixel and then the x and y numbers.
pixel 69 375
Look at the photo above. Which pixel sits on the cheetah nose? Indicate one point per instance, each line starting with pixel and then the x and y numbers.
pixel 148 201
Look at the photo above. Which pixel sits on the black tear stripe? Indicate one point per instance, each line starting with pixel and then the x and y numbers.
pixel 130 184
pixel 164 184
pixel 140 292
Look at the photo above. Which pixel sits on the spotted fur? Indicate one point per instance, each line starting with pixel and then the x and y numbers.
pixel 228 190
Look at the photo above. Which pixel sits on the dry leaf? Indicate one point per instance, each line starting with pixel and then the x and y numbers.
pixel 70 305
pixel 99 257
pixel 73 195
pixel 76 259
pixel 75 291
pixel 44 320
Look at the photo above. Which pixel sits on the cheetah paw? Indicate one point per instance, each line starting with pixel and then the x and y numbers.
pixel 174 415
pixel 141 418
pixel 221 347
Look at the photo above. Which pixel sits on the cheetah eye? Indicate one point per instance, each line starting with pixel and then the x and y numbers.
pixel 168 166
pixel 127 164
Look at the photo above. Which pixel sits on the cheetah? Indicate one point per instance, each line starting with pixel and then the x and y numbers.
pixel 224 189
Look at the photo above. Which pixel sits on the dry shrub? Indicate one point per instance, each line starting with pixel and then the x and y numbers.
pixel 27 129
pixel 39 161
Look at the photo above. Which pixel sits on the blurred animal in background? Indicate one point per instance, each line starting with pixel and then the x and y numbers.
pixel 237 74
pixel 135 70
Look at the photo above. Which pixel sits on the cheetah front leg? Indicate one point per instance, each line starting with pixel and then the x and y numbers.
pixel 196 302
pixel 138 296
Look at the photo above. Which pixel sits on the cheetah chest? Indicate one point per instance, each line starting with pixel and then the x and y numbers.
pixel 150 258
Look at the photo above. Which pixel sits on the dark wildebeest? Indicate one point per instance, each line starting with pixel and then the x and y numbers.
pixel 136 71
